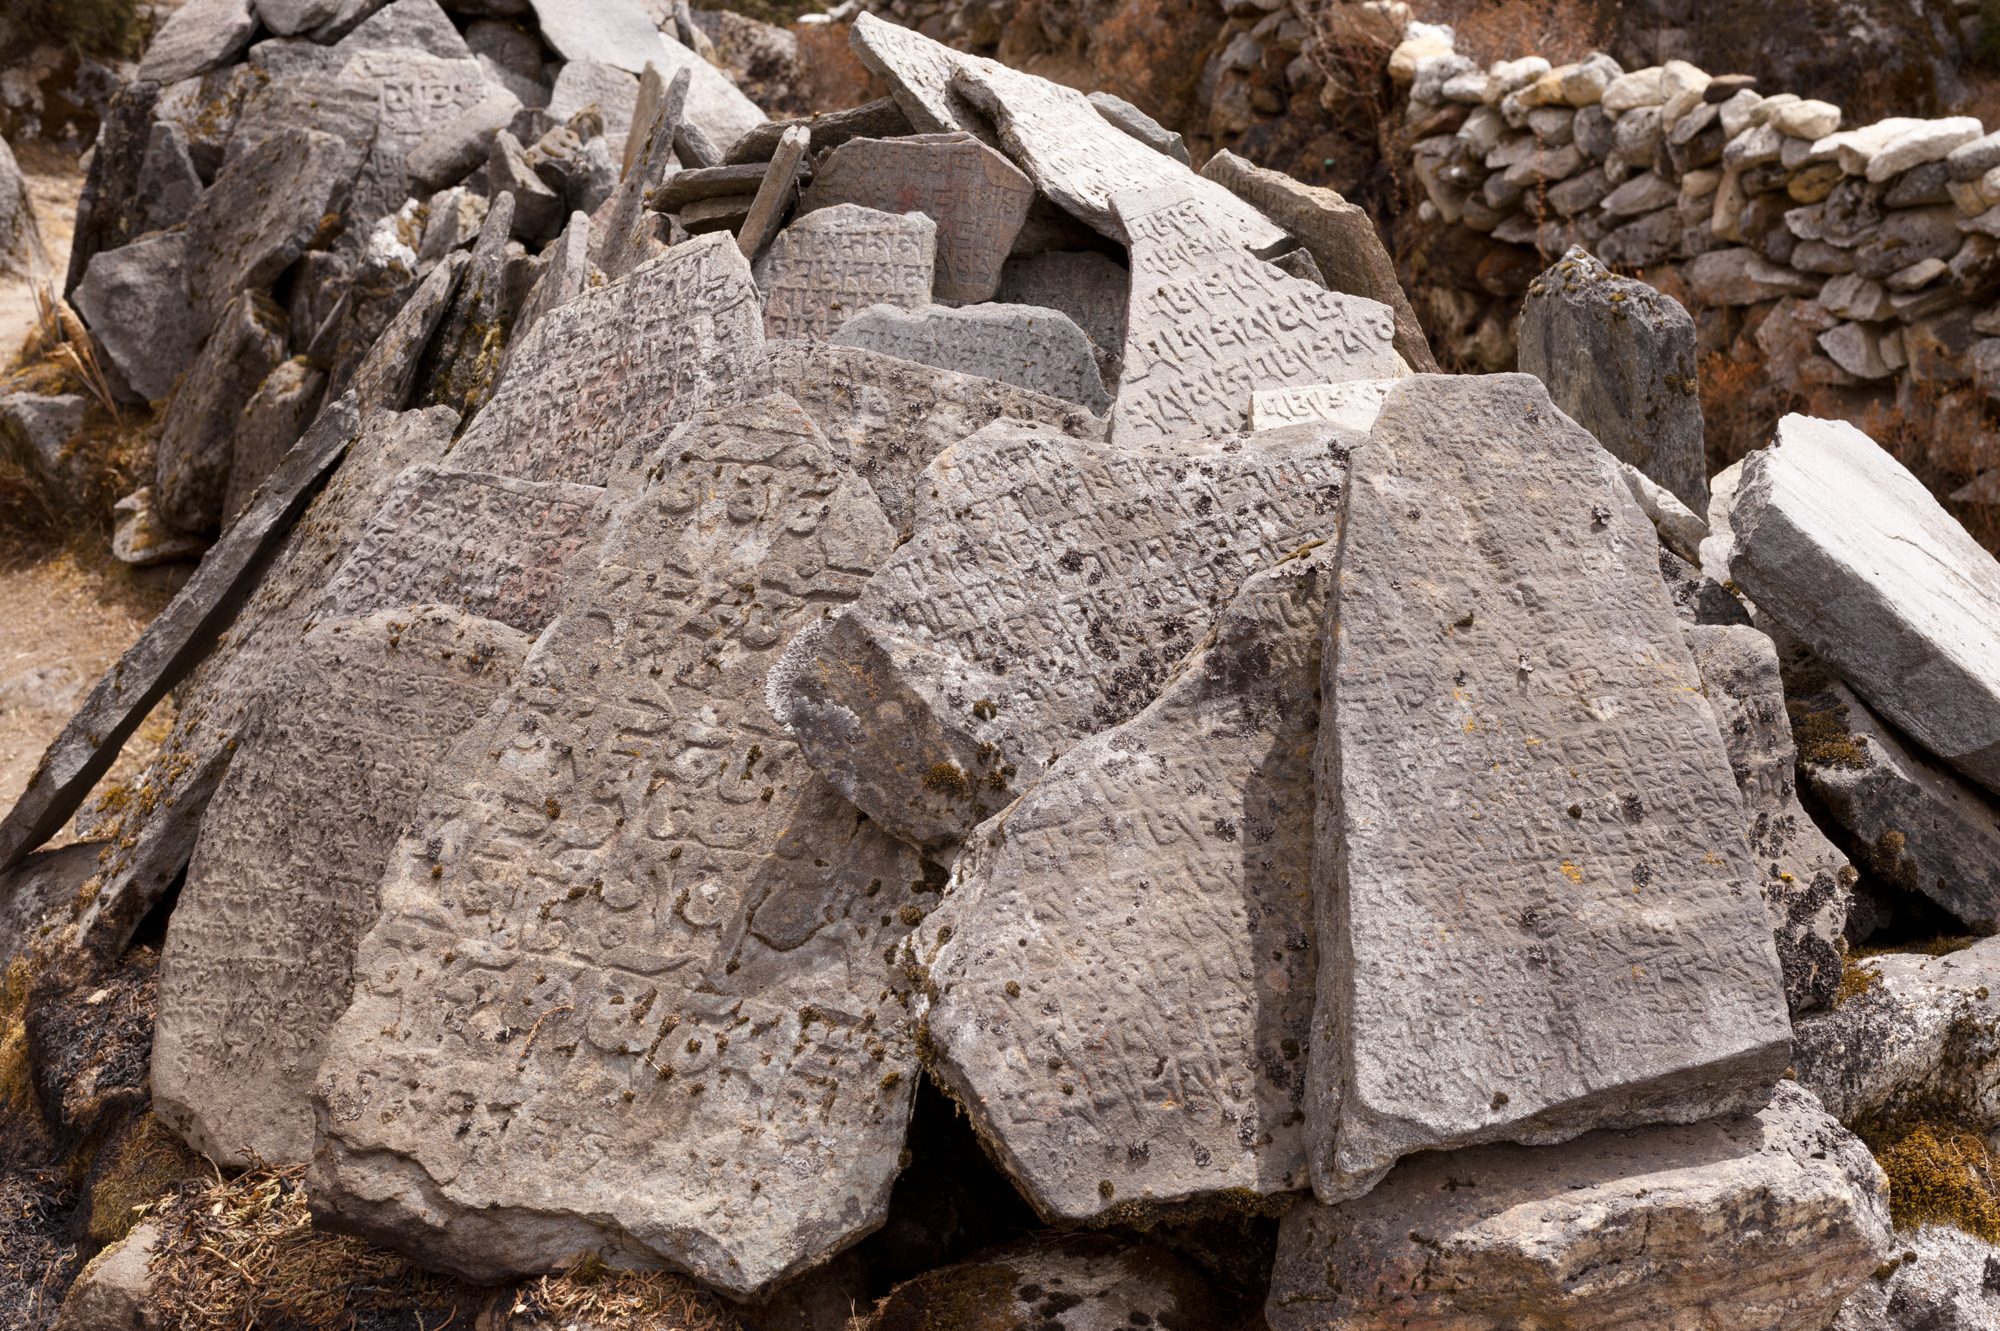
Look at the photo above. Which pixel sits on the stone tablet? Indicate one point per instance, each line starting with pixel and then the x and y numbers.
pixel 977 198
pixel 630 991
pixel 1354 404
pixel 830 265
pixel 1537 914
pixel 1089 287
pixel 879 119
pixel 197 37
pixel 491 546
pixel 1208 325
pixel 630 236
pixel 1852 555
pixel 135 300
pixel 259 958
pixel 775 193
pixel 417 94
pixel 618 33
pixel 196 446
pixel 1147 1045
pixel 597 375
pixel 1050 589
pixel 919 73
pixel 1037 349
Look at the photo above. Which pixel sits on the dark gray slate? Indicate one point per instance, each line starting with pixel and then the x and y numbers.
pixel 197 438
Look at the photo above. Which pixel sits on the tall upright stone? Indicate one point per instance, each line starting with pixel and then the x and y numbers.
pixel 630 237
pixel 1144 1041
pixel 619 33
pixel 1038 349
pixel 1537 913
pixel 196 448
pixel 1618 357
pixel 832 264
pixel 274 418
pixel 629 991
pixel 1208 325
pixel 259 958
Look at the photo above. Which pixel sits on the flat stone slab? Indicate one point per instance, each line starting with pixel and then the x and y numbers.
pixel 259 959
pixel 585 82
pixel 976 196
pixel 135 300
pixel 273 419
pixel 1836 541
pixel 197 442
pixel 1616 1229
pixel 1147 1044
pixel 384 378
pixel 619 33
pixel 1038 349
pixel 1516 722
pixel 197 37
pixel 832 264
pixel 1208 325
pixel 595 376
pixel 1354 404
pixel 629 993
pixel 1050 588
pixel 1089 287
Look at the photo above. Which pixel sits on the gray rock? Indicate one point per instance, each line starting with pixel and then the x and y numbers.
pixel 1487 741
pixel 272 421
pixel 630 238
pixel 197 435
pixel 565 275
pixel 538 210
pixel 140 539
pixel 919 74
pixel 40 890
pixel 289 18
pixel 879 119
pixel 1847 550
pixel 168 184
pixel 1941 1279
pixel 977 198
pixel 258 962
pixel 413 26
pixel 35 431
pixel 832 264
pixel 1743 277
pixel 105 216
pixel 1616 1229
pixel 1907 236
pixel 584 83
pixel 385 376
pixel 135 300
pixel 775 194
pixel 449 152
pixel 1131 120
pixel 722 961
pixel 197 37
pixel 1618 358
pixel 1189 367
pixel 463 362
pixel 171 643
pixel 118 1291
pixel 1193 1076
pixel 710 182
pixel 1037 349
pixel 1045 595
pixel 1089 287
pixel 618 33
pixel 1060 1282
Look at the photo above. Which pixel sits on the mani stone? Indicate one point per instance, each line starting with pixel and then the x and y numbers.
pixel 1354 404
pixel 1131 120
pixel 977 198
pixel 264 208
pixel 272 421
pixel 629 993
pixel 491 546
pixel 834 263
pixel 1515 722
pixel 171 643
pixel 1087 286
pixel 417 94
pixel 1146 1045
pixel 259 958
pixel 597 375
pixel 1754 1222
pixel 197 437
pixel 1050 588
pixel 197 37
pixel 136 303
pixel 1037 349
pixel 1208 325
pixel 1618 357
pixel 1837 542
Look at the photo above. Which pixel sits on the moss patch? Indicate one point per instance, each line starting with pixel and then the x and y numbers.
pixel 1941 1175
pixel 1823 738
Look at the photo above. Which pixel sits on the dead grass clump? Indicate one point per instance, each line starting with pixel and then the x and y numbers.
pixel 1738 407
pixel 60 343
pixel 136 1173
pixel 94 27
pixel 595 1295
pixel 1941 1175
pixel 1559 30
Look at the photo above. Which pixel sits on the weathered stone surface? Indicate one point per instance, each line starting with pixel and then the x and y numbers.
pixel 1354 404
pixel 618 33
pixel 834 263
pixel 259 958
pixel 597 375
pixel 1748 1223
pixel 140 539
pixel 288 18
pixel 1037 349
pixel 135 300
pixel 450 151
pixel 1340 236
pixel 105 216
pixel 1050 588
pixel 977 198
pixel 565 276
pixel 197 437
pixel 775 194
pixel 171 643
pixel 260 214
pixel 919 74
pixel 1515 719
pixel 629 990
pixel 117 1291
pixel 1129 119
pixel 1743 277
pixel 1089 287
pixel 197 37
pixel 42 884
pixel 1807 883
pixel 168 182
pixel 20 239
pixel 270 423
pixel 1618 358
pixel 385 376
pixel 879 119
pixel 1066 1282
pixel 1208 325
pixel 629 233
pixel 538 210
pixel 613 91
pixel 1850 553
pixel 1910 822
pixel 491 546
pixel 1168 974
pixel 35 434
pixel 1941 1279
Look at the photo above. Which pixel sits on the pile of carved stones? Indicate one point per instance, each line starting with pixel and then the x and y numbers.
pixel 715 628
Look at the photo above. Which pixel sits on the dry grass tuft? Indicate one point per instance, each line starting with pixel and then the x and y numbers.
pixel 1560 30
pixel 61 344
pixel 594 1295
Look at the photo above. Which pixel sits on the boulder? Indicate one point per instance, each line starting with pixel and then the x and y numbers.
pixel 197 37
pixel 1940 1279
pixel 1037 349
pixel 1743 277
pixel 135 300
pixel 20 239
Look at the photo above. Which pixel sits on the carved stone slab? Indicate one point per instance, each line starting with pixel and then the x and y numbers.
pixel 1032 348
pixel 1147 1044
pixel 259 959
pixel 1087 286
pixel 919 72
pixel 1537 913
pixel 594 377
pixel 832 264
pixel 1208 325
pixel 1051 587
pixel 630 990
pixel 977 198
pixel 492 546
pixel 1354 404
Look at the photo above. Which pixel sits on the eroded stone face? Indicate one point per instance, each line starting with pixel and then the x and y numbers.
pixel 1537 914
pixel 1038 349
pixel 191 461
pixel 630 991
pixel 834 263
pixel 1123 966
pixel 1087 286
pixel 259 960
